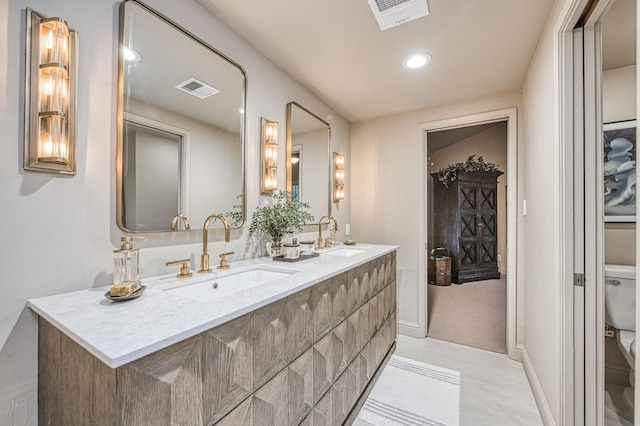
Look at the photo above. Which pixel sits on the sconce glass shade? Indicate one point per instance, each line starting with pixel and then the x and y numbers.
pixel 338 177
pixel 50 95
pixel 52 142
pixel 269 157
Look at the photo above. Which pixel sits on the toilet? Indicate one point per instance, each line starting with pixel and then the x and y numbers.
pixel 620 313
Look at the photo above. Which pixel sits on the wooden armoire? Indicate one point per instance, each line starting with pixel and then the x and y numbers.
pixel 465 222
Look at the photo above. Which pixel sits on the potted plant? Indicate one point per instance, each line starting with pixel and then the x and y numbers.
pixel 450 173
pixel 276 220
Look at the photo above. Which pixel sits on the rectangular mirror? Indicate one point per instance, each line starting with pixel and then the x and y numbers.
pixel 309 159
pixel 181 126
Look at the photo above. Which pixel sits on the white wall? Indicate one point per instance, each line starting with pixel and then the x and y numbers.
pixel 387 191
pixel 58 233
pixel 619 104
pixel 540 157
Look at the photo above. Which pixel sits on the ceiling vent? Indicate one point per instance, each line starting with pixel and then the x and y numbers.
pixel 197 88
pixel 392 13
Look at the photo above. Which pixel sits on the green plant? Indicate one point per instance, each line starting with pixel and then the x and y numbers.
pixel 278 219
pixel 450 173
pixel 236 215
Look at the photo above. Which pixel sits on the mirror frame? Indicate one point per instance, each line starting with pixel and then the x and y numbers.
pixel 289 149
pixel 120 118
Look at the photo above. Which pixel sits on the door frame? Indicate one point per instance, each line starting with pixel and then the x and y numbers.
pixel 514 324
pixel 580 117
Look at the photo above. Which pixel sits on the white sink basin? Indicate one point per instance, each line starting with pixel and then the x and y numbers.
pixel 216 287
pixel 345 252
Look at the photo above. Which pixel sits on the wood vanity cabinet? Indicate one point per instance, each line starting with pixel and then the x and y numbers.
pixel 307 359
pixel 465 222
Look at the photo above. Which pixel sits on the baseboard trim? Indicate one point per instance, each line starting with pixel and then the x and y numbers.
pixel 515 353
pixel 408 328
pixel 536 388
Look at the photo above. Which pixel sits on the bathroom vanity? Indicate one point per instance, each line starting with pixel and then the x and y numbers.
pixel 304 347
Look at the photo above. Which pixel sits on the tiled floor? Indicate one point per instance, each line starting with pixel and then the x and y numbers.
pixel 493 389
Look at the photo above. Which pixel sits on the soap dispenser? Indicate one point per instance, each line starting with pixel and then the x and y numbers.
pixel 126 261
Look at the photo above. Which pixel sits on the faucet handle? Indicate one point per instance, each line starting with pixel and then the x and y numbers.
pixel 223 260
pixel 184 269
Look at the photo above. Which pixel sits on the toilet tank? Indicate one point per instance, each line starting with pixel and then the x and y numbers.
pixel 620 296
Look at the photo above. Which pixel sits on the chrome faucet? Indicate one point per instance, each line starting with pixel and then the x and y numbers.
pixel 204 259
pixel 319 243
pixel 185 221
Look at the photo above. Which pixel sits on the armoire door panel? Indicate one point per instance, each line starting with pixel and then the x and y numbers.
pixel 468 225
pixel 468 195
pixel 487 225
pixel 487 198
pixel 468 253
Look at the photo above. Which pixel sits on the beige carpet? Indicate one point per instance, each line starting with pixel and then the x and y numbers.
pixel 471 314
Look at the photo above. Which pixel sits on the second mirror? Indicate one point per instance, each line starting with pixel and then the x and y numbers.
pixel 308 159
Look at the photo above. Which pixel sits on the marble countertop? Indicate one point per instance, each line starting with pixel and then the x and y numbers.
pixel 120 332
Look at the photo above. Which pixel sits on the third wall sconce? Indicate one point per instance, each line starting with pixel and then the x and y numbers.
pixel 338 177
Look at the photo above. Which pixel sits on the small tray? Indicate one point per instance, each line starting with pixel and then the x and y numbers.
pixel 302 257
pixel 133 295
pixel 350 242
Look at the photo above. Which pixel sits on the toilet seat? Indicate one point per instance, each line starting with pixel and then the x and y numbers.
pixel 626 342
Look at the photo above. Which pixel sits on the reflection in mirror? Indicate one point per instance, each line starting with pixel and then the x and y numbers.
pixel 152 166
pixel 296 172
pixel 308 159
pixel 181 127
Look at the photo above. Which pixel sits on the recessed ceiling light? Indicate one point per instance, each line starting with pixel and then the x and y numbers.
pixel 418 60
pixel 130 55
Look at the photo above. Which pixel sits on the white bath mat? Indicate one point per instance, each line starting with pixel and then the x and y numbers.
pixel 412 393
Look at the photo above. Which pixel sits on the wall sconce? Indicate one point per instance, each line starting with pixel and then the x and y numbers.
pixel 49 142
pixel 269 155
pixel 338 177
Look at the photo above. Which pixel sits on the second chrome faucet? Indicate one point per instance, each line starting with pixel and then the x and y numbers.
pixel 204 259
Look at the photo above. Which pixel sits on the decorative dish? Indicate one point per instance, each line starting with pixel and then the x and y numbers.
pixel 131 296
pixel 350 242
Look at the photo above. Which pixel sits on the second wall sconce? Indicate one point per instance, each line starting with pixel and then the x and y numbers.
pixel 269 156
pixel 338 177
pixel 50 95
